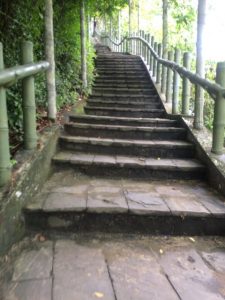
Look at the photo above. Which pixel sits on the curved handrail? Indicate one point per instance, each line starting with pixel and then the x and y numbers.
pixel 212 88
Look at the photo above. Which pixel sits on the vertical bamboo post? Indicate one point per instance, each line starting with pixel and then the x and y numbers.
pixel 148 51
pixel 151 60
pixel 176 84
pixel 29 107
pixel 186 85
pixel 5 166
pixel 163 81
pixel 142 44
pixel 219 113
pixel 154 60
pixel 158 75
pixel 169 79
pixel 139 46
pixel 136 44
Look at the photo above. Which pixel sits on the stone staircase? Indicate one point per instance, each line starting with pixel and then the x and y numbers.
pixel 124 142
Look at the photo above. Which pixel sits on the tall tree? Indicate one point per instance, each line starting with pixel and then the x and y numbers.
pixel 50 57
pixel 83 45
pixel 200 63
pixel 165 28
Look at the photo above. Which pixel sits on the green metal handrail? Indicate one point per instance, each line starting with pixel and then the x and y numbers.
pixel 156 62
pixel 8 77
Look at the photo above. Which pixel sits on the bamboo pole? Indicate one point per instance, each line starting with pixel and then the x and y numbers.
pixel 186 85
pixel 169 79
pixel 5 166
pixel 158 76
pixel 176 84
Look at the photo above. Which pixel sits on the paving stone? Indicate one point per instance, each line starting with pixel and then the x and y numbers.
pixel 106 199
pixel 80 273
pixel 187 164
pixel 74 189
pixel 63 156
pixel 185 206
pixel 216 259
pixel 191 277
pixel 82 158
pixel 213 204
pixel 138 186
pixel 126 160
pixel 162 163
pixel 146 203
pixel 136 275
pixel 34 264
pixel 30 290
pixel 65 202
pixel 170 190
pixel 106 182
pixel 105 159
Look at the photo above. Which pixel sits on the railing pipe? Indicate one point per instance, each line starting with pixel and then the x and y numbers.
pixel 28 104
pixel 5 165
pixel 169 79
pixel 176 84
pixel 154 60
pixel 186 85
pixel 148 51
pixel 219 113
pixel 152 57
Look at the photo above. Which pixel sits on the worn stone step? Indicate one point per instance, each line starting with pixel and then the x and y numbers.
pixel 124 112
pixel 127 121
pixel 121 72
pixel 126 104
pixel 119 66
pixel 132 166
pixel 137 77
pixel 120 90
pixel 118 85
pixel 109 81
pixel 127 132
pixel 141 148
pixel 124 97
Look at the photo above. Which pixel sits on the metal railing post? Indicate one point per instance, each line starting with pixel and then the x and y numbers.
pixel 158 75
pixel 29 106
pixel 176 84
pixel 219 113
pixel 186 85
pixel 169 79
pixel 5 165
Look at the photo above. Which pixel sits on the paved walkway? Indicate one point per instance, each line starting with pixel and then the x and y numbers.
pixel 120 267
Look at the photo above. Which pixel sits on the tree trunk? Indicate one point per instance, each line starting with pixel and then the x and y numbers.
pixel 200 64
pixel 83 45
pixel 119 26
pixel 165 28
pixel 50 57
pixel 130 15
pixel 138 16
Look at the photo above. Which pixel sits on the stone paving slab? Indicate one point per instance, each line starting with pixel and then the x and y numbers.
pixel 80 273
pixel 191 277
pixel 215 259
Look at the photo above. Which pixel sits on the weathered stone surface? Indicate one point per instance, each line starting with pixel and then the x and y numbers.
pixel 105 159
pixel 30 290
pixel 63 156
pixel 82 158
pixel 185 206
pixel 80 272
pixel 162 163
pixel 106 199
pixel 137 275
pixel 213 204
pixel 190 276
pixel 126 160
pixel 34 264
pixel 170 190
pixel 146 203
pixel 65 202
pixel 216 259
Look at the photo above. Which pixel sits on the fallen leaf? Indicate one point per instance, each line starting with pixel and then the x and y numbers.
pixel 192 239
pixel 161 251
pixel 99 295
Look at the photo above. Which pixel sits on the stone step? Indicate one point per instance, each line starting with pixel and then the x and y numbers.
pixel 141 148
pixel 118 85
pixel 126 81
pixel 120 69
pixel 124 97
pixel 121 72
pixel 145 100
pixel 119 91
pixel 127 121
pixel 127 77
pixel 132 166
pixel 121 65
pixel 124 112
pixel 125 132
pixel 126 104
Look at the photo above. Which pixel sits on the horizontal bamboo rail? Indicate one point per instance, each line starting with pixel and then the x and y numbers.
pixel 8 77
pixel 162 67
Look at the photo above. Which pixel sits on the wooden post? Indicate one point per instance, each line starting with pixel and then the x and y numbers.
pixel 50 57
pixel 154 60
pixel 158 75
pixel 200 65
pixel 186 85
pixel 219 113
pixel 169 79
pixel 176 84
pixel 5 165
pixel 163 81
pixel 29 106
